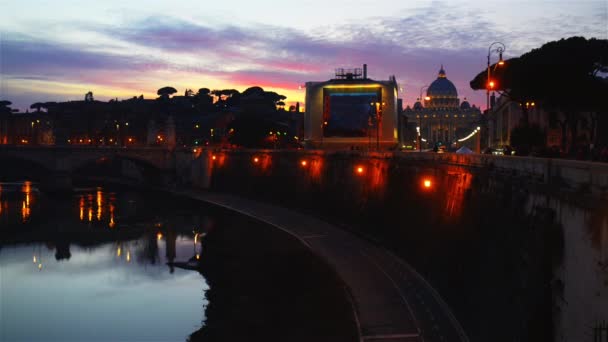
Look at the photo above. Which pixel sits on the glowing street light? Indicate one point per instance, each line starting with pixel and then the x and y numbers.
pixel 490 84
pixel 359 170
pixel 378 111
pixel 427 183
pixel 426 98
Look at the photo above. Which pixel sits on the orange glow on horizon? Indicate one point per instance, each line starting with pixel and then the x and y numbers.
pixel 146 87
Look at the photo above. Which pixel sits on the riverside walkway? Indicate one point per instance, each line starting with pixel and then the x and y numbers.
pixel 392 302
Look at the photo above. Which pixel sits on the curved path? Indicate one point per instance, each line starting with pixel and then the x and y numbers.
pixel 392 301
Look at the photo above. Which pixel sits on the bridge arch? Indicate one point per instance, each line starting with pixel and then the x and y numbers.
pixel 19 168
pixel 118 167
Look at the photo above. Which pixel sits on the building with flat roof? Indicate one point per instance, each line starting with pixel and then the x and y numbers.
pixel 351 110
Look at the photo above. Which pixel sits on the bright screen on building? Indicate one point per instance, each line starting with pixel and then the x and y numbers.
pixel 349 114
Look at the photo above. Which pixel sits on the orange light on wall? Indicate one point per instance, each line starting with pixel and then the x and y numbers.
pixel 256 160
pixel 303 163
pixel 213 157
pixel 359 170
pixel 427 184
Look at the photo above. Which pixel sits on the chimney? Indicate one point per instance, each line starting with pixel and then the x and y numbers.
pixel 364 71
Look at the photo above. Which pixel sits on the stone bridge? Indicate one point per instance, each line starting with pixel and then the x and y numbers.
pixel 61 163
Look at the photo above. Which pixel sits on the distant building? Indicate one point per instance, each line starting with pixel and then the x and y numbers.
pixel 351 110
pixel 507 114
pixel 442 119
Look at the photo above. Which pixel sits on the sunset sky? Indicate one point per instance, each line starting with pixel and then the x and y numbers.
pixel 59 50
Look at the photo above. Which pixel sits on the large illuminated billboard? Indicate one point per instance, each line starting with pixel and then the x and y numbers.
pixel 349 113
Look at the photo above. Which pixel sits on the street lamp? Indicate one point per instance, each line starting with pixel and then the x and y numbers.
pixel 427 98
pixel 500 48
pixel 378 109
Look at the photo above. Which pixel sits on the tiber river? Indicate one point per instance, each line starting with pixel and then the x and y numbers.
pixel 94 266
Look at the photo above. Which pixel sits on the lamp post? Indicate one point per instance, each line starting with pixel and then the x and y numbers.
pixel 500 48
pixel 378 111
pixel 427 98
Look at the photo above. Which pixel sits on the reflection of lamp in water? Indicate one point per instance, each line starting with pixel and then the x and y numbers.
pixel 159 236
pixel 81 207
pixel 90 214
pixel 34 259
pixel 99 198
pixel 25 211
pixel 118 251
pixel 128 256
pixel 112 223
pixel 40 266
pixel 99 204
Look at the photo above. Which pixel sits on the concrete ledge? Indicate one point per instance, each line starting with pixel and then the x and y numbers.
pixel 575 175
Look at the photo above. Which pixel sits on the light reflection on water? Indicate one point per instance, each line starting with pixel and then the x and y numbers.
pixel 53 288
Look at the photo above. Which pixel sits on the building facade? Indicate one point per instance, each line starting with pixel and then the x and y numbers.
pixel 440 117
pixel 351 110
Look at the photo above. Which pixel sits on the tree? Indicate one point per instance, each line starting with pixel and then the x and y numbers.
pixel 226 97
pixel 37 106
pixel 165 92
pixel 5 107
pixel 562 76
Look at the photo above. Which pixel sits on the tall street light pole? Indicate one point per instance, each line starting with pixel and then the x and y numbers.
pixel 500 48
pixel 427 98
pixel 378 108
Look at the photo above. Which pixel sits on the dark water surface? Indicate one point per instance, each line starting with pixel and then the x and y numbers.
pixel 109 264
pixel 93 266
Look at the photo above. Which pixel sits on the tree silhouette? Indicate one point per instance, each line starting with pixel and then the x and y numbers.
pixel 165 92
pixel 226 97
pixel 37 106
pixel 5 107
pixel 561 75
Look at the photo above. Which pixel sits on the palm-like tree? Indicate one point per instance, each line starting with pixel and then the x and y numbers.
pixel 165 92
